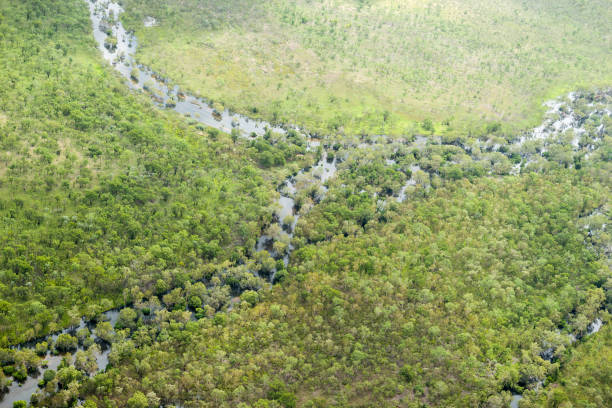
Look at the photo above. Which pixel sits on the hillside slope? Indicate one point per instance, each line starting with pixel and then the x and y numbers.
pixel 381 66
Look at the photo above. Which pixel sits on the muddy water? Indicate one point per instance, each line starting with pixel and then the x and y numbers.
pixel 18 392
pixel 516 398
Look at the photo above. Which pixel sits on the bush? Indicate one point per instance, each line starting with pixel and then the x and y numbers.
pixel 250 296
pixel 279 393
pixel 20 375
pixel 127 319
pixel 428 125
pixel 220 319
pixel 90 404
pixel 66 342
pixel 407 373
pixel 288 221
pixel 138 400
pixel 104 330
pixel 195 302
pixel 48 375
pixel 42 348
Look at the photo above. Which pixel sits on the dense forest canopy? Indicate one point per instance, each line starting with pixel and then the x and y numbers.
pixel 439 250
pixel 442 301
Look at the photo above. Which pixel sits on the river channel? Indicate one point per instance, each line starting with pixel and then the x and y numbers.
pixel 118 47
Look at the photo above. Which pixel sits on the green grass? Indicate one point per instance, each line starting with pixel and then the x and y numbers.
pixel 379 66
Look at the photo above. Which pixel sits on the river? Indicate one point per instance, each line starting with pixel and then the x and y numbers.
pixel 121 57
pixel 120 53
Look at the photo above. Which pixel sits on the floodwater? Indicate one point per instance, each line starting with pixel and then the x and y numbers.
pixel 24 391
pixel 121 54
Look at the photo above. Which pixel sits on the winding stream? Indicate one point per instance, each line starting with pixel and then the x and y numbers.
pixel 23 391
pixel 286 215
pixel 120 54
pixel 118 46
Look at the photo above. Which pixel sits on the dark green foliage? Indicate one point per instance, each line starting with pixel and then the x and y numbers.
pixel 138 400
pixel 278 391
pixel 20 375
pixel 250 296
pixel 49 375
pixel 407 373
pixel 65 342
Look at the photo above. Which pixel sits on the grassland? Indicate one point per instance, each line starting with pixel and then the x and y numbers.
pixel 379 66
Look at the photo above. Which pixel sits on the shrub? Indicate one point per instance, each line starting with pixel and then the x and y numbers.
pixel 65 342
pixel 250 296
pixel 138 400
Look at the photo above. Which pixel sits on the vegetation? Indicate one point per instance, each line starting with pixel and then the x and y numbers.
pixel 103 195
pixel 585 380
pixel 447 300
pixel 450 267
pixel 379 66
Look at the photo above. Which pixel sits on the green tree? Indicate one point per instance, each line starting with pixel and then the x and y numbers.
pixel 66 342
pixel 428 125
pixel 138 400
